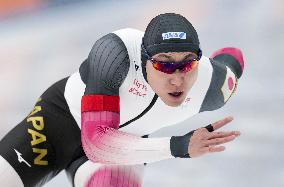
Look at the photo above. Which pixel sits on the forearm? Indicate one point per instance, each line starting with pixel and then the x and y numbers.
pixel 103 143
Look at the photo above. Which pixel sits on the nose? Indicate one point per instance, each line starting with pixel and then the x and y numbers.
pixel 177 78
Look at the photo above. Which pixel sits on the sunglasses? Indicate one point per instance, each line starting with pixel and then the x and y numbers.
pixel 171 67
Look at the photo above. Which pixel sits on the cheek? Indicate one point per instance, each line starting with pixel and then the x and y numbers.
pixel 155 78
pixel 151 73
pixel 192 77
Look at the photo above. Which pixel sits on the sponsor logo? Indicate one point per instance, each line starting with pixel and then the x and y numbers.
pixel 37 136
pixel 20 158
pixel 136 67
pixel 176 35
pixel 187 100
pixel 138 89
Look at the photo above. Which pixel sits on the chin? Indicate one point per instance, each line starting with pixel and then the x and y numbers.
pixel 172 104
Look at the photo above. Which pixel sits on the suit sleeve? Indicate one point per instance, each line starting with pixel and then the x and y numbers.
pixel 228 65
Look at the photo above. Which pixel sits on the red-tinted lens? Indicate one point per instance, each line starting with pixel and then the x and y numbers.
pixel 189 66
pixel 171 67
pixel 164 67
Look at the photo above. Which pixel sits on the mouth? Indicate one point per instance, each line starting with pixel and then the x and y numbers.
pixel 176 94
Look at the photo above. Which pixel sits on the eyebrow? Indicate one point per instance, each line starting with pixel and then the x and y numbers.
pixel 170 57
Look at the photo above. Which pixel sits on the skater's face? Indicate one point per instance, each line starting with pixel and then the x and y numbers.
pixel 172 88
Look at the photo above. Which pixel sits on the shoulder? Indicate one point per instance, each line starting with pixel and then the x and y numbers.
pixel 227 64
pixel 106 66
pixel 230 57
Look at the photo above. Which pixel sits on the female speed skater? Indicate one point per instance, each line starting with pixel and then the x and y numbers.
pixel 97 123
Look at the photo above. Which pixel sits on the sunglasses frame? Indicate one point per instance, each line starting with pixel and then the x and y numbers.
pixel 177 65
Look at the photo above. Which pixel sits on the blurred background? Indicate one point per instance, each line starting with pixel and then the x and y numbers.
pixel 42 41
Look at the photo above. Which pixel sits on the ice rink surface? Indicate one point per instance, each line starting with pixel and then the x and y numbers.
pixel 40 48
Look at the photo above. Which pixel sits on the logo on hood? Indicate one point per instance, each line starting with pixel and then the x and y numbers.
pixel 176 35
